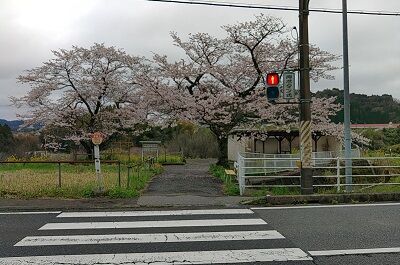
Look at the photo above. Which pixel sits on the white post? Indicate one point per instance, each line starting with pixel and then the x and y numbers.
pixel 240 174
pixel 338 173
pixel 97 167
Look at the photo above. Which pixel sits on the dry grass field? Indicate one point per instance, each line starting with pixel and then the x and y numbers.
pixel 77 181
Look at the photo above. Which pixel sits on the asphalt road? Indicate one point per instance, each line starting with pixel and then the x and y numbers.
pixel 282 235
pixel 152 237
pixel 340 228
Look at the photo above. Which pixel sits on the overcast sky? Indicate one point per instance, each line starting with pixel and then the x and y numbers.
pixel 30 29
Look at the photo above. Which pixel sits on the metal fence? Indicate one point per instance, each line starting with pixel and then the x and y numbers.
pixel 269 171
pixel 59 163
pixel 266 163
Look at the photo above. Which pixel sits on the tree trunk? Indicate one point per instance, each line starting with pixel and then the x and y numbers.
pixel 88 148
pixel 223 151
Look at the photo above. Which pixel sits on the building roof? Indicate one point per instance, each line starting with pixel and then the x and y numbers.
pixel 376 126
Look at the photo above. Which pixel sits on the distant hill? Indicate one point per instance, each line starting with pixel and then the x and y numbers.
pixel 14 125
pixel 366 109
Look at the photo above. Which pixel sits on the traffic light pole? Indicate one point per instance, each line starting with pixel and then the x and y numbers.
pixel 305 102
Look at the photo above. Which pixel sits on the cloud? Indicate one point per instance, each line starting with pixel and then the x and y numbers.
pixel 31 29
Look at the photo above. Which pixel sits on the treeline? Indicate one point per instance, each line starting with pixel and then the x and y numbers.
pixel 387 140
pixel 17 144
pixel 192 140
pixel 366 109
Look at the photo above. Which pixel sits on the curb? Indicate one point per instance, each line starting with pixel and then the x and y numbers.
pixel 65 204
pixel 324 198
pixel 13 205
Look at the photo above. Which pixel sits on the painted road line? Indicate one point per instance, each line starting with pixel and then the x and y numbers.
pixel 12 213
pixel 194 257
pixel 143 224
pixel 354 251
pixel 155 213
pixel 325 206
pixel 147 238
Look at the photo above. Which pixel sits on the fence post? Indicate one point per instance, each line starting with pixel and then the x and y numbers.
pixel 338 173
pixel 138 176
pixel 119 174
pixel 129 178
pixel 59 174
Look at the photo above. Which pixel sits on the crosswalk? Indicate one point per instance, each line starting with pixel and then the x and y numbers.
pixel 206 236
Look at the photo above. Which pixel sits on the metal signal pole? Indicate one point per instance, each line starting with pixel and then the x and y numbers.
pixel 347 130
pixel 305 101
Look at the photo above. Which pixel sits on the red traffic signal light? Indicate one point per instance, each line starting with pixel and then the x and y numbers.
pixel 272 79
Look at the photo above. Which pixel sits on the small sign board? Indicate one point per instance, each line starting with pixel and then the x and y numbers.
pixel 289 84
pixel 150 147
pixel 97 138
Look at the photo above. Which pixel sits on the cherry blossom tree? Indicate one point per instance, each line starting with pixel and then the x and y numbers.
pixel 84 90
pixel 220 81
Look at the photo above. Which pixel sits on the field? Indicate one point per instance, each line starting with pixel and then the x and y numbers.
pixel 77 180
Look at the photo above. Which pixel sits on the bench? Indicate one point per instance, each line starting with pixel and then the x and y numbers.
pixel 229 173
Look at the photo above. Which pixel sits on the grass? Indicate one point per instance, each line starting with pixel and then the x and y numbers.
pixel 135 158
pixel 77 181
pixel 383 188
pixel 231 187
pixel 171 159
pixel 275 191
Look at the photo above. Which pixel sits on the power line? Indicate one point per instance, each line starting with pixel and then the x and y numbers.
pixel 282 8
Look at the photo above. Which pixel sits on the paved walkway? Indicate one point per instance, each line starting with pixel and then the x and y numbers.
pixel 186 185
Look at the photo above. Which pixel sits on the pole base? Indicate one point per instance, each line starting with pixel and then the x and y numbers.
pixel 306 181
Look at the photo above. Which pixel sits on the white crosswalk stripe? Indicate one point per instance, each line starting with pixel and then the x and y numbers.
pixel 148 238
pixel 143 224
pixel 195 257
pixel 155 213
pixel 143 237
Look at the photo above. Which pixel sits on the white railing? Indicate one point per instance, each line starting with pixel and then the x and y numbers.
pixel 268 171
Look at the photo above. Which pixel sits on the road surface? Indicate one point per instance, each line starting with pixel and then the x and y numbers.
pixel 355 234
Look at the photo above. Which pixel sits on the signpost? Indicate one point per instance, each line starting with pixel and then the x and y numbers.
pixel 97 139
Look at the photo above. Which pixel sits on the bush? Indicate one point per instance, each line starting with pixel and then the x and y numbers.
pixel 393 149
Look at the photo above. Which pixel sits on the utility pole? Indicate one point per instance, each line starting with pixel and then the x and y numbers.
pixel 305 101
pixel 347 130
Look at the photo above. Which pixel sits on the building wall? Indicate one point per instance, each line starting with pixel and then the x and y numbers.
pixel 235 145
pixel 329 143
pixel 271 145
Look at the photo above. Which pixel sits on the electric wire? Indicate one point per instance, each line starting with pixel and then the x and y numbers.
pixel 281 8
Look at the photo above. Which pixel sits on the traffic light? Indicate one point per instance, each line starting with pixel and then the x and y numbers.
pixel 272 86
